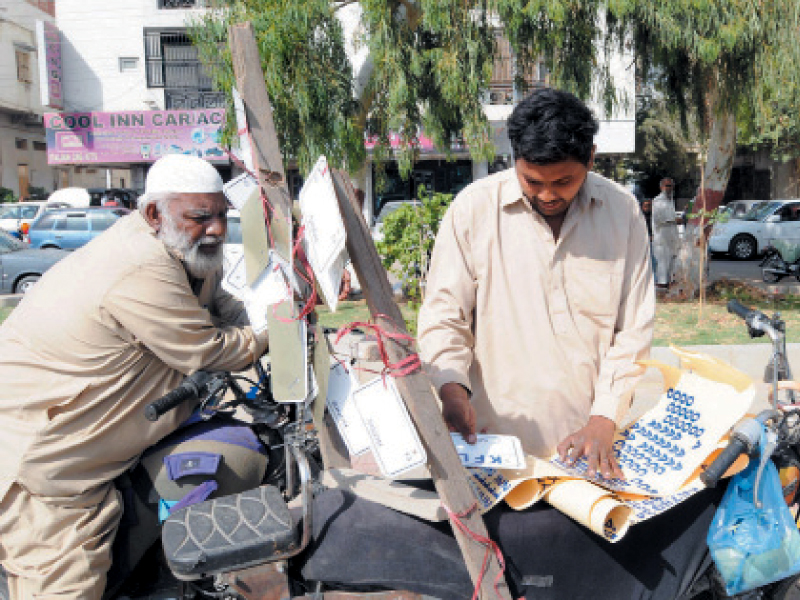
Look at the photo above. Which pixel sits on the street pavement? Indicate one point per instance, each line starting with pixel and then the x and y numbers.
pixel 749 271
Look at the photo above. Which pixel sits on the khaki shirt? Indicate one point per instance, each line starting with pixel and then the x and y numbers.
pixel 106 331
pixel 543 333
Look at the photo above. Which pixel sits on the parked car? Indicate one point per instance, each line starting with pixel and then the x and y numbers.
pixel 71 228
pixel 14 216
pixel 748 236
pixel 387 209
pixel 21 266
pixel 736 209
pixel 123 197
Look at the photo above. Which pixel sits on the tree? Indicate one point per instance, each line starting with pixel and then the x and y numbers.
pixel 663 148
pixel 430 62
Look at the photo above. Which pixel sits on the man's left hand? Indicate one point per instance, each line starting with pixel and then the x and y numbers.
pixel 595 442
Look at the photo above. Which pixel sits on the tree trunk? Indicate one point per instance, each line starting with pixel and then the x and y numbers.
pixel 716 174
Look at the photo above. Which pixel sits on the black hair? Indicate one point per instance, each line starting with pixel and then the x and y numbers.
pixel 551 126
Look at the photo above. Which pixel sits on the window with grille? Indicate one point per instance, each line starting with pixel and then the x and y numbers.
pixel 172 61
pixel 24 74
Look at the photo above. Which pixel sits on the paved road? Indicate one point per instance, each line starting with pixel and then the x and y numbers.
pixel 749 271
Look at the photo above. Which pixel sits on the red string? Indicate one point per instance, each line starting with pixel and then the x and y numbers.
pixel 401 368
pixel 490 545
pixel 308 277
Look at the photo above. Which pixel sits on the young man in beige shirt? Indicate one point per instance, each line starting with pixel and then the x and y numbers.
pixel 539 302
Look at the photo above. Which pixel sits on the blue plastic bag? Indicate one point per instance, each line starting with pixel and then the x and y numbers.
pixel 753 546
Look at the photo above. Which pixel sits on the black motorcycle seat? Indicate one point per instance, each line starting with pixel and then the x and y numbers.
pixel 228 533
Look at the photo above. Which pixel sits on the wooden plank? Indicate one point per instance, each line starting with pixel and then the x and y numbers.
pixel 266 148
pixel 269 167
pixel 448 474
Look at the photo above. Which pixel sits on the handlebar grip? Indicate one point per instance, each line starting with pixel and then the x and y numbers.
pixel 739 309
pixel 711 476
pixel 168 401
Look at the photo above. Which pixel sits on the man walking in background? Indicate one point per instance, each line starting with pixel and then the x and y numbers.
pixel 665 234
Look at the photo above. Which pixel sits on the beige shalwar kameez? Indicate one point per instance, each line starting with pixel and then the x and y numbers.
pixel 106 331
pixel 544 333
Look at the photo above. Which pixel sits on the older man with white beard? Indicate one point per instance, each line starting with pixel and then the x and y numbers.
pixel 105 332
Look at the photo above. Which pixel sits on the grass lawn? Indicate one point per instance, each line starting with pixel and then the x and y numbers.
pixel 680 323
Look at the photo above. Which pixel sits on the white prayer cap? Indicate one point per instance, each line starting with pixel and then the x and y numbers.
pixel 182 174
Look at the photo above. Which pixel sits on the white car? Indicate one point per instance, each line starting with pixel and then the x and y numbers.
pixel 14 215
pixel 748 236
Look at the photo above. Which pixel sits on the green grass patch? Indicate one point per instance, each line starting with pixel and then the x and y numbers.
pixel 679 323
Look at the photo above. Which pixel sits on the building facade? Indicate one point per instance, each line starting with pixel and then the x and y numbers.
pixel 136 57
pixel 23 150
pixel 127 66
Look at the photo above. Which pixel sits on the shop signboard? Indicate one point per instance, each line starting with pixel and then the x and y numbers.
pixel 425 144
pixel 133 136
pixel 48 41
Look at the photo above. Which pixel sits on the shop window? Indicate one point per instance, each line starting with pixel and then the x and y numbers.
pixel 434 175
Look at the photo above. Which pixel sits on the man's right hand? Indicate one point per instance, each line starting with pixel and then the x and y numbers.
pixel 458 412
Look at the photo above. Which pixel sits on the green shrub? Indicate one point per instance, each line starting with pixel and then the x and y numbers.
pixel 408 236
pixel 6 195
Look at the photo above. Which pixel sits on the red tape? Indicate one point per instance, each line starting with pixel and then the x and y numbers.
pixel 399 369
pixel 491 547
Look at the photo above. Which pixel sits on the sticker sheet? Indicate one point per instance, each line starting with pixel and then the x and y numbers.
pixel 324 230
pixel 659 452
pixel 662 454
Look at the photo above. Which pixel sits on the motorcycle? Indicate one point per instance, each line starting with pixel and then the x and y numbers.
pixel 248 545
pixel 782 420
pixel 259 565
pixel 781 259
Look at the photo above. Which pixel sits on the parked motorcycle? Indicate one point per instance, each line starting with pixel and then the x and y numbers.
pixel 781 259
pixel 245 545
pixel 783 421
pixel 257 554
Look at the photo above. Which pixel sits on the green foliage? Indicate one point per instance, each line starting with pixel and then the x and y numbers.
pixel 7 195
pixel 430 63
pixel 306 71
pixel 408 236
pixel 663 146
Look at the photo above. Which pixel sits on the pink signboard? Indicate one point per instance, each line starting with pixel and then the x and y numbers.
pixel 426 145
pixel 48 40
pixel 133 136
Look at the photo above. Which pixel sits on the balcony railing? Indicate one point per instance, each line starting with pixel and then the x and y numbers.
pixel 193 99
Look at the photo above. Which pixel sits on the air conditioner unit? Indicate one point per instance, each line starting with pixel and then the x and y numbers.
pixel 33 119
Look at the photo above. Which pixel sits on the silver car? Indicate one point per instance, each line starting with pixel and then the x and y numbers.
pixel 20 266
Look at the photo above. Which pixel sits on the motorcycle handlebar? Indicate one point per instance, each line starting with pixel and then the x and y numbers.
pixel 190 388
pixel 739 309
pixel 711 476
